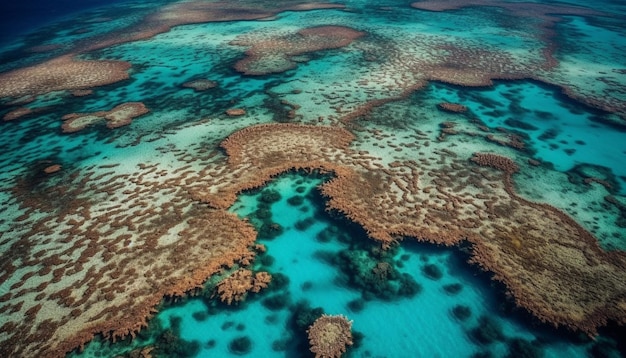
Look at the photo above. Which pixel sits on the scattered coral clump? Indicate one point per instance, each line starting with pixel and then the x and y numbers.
pixel 17 113
pixel 276 54
pixel 236 286
pixel 452 107
pixel 235 112
pixel 495 161
pixel 119 116
pixel 330 336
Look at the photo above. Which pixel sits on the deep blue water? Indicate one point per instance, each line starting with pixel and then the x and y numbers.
pixel 21 17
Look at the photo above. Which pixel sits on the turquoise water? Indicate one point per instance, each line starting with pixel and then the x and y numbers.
pixel 420 309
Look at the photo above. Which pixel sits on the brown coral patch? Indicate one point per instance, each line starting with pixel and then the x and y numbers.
pixel 51 169
pixel 115 244
pixel 548 16
pixel 59 74
pixel 452 107
pixel 75 122
pixel 329 336
pixel 17 113
pixel 119 116
pixel 551 266
pixel 235 112
pixel 275 54
pixel 473 66
pixel 521 9
pixel 495 161
pixel 200 85
pixel 273 141
pixel 236 286
pixel 67 73
pixel 123 114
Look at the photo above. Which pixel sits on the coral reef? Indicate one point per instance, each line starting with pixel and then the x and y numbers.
pixel 235 112
pixel 51 169
pixel 119 116
pixel 240 345
pixel 59 74
pixel 510 236
pixel 200 85
pixel 17 113
pixel 375 275
pixel 329 336
pixel 495 161
pixel 550 265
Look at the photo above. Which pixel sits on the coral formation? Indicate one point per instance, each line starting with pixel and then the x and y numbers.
pixel 495 161
pixel 51 169
pixel 17 113
pixel 236 286
pixel 452 107
pixel 200 85
pixel 274 55
pixel 548 16
pixel 394 201
pixel 119 116
pixel 329 336
pixel 198 11
pixel 551 266
pixel 123 114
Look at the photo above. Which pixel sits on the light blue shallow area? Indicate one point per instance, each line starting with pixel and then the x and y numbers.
pixel 561 132
pixel 423 326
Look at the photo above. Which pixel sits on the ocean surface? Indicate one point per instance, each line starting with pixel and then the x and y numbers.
pixel 150 151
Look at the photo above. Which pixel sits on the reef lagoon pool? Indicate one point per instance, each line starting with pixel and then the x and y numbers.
pixel 313 179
